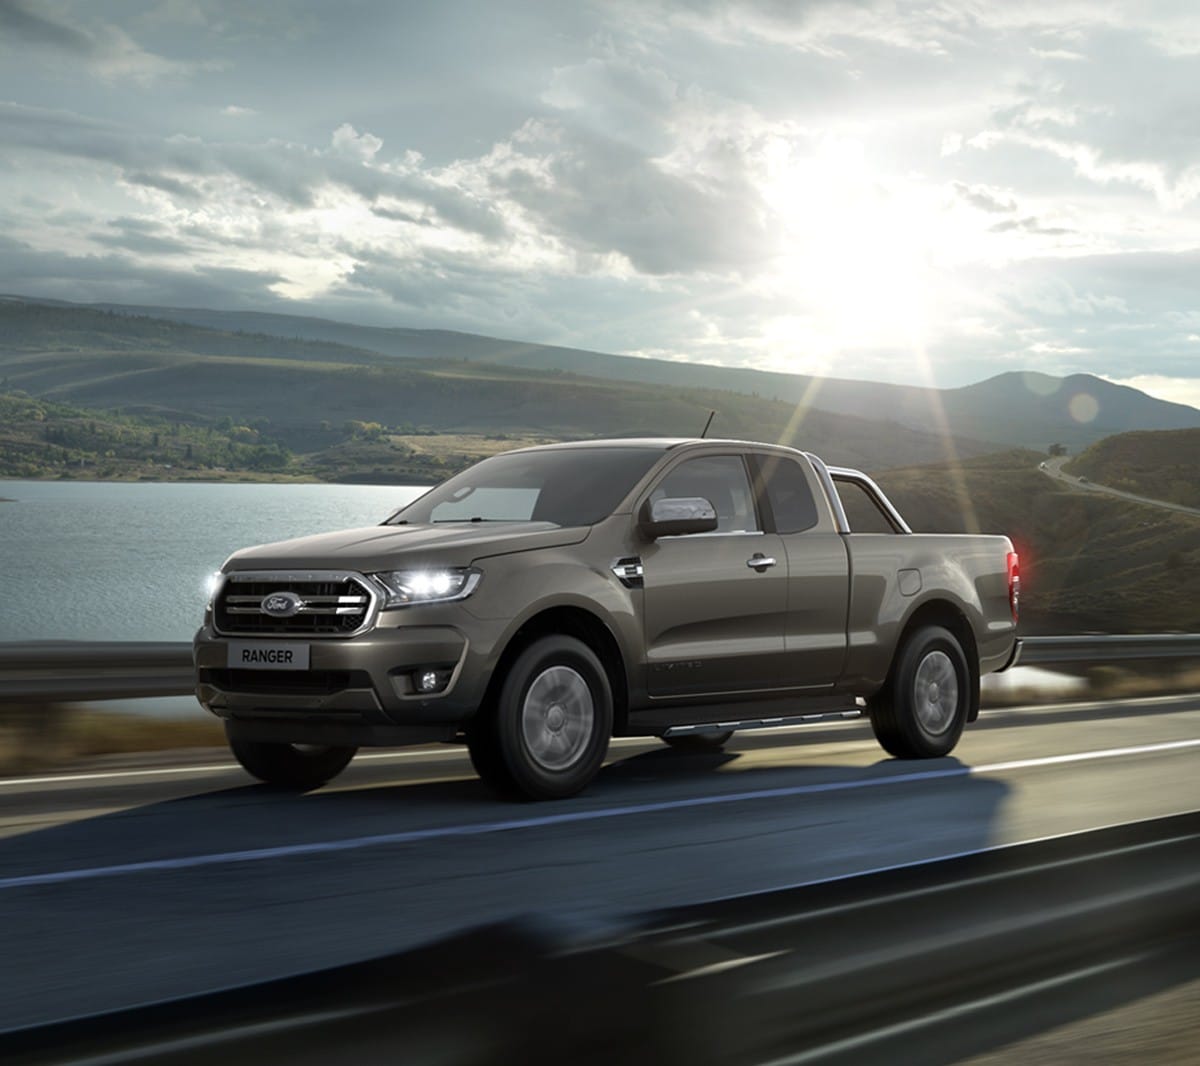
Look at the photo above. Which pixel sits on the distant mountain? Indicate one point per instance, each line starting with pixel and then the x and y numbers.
pixel 304 394
pixel 1159 466
pixel 1030 410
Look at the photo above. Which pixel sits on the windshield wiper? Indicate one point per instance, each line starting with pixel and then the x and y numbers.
pixel 438 521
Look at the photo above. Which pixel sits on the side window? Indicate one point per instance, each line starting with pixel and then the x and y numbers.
pixel 720 479
pixel 791 499
pixel 862 512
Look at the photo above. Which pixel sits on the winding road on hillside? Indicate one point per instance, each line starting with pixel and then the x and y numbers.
pixel 125 886
pixel 1053 468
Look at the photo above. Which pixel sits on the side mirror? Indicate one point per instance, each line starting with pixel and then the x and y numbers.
pixel 677 517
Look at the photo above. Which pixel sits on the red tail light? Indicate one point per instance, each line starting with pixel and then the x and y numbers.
pixel 1014 584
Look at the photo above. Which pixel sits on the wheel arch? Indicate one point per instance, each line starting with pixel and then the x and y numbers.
pixel 583 625
pixel 949 616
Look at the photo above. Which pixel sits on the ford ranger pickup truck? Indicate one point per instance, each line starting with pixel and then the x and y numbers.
pixel 547 599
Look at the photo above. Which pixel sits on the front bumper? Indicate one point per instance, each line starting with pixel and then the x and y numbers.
pixel 364 681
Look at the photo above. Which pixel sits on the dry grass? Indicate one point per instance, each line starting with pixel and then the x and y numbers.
pixel 39 736
pixel 452 447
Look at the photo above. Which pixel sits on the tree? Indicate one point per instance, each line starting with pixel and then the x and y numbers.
pixel 1058 449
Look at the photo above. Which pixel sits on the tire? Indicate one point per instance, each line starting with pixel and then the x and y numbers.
pixel 547 733
pixel 293 766
pixel 922 709
pixel 697 742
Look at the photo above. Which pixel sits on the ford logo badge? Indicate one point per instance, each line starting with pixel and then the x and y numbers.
pixel 281 604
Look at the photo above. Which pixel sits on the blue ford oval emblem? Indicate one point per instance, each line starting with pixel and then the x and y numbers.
pixel 281 604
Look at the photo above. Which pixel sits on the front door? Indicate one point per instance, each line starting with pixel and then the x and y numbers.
pixel 715 604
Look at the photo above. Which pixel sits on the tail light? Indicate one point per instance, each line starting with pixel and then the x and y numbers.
pixel 1014 584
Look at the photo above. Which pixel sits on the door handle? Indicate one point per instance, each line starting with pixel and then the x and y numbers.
pixel 760 562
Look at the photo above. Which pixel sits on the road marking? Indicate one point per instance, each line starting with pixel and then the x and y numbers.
pixel 325 847
pixel 449 752
pixel 617 742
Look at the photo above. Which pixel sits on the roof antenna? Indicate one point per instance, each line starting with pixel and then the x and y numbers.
pixel 707 424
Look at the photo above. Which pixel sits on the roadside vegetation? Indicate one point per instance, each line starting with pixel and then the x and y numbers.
pixel 1089 562
pixel 1162 465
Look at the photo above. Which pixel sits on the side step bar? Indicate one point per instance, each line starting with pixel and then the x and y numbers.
pixel 762 723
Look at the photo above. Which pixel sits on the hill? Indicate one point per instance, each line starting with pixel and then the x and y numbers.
pixel 313 395
pixel 1088 562
pixel 1160 466
pixel 1013 409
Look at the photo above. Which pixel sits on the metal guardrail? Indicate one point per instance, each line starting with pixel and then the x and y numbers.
pixel 1098 648
pixel 43 672
pixel 46 672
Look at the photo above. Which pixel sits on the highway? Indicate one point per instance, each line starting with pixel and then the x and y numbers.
pixel 1053 469
pixel 124 887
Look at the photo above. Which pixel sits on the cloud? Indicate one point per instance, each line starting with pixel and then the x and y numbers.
pixel 882 189
pixel 984 198
pixel 105 48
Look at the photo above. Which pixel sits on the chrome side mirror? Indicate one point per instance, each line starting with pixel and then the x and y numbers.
pixel 677 516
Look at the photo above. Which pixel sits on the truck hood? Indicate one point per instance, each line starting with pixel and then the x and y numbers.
pixel 373 548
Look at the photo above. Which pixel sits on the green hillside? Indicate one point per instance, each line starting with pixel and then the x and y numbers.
pixel 1013 409
pixel 1161 466
pixel 306 393
pixel 1021 409
pixel 1089 562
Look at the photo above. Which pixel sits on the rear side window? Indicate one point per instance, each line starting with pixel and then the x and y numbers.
pixel 720 479
pixel 862 512
pixel 788 493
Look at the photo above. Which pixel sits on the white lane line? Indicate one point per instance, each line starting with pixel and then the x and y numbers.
pixel 617 742
pixel 454 752
pixel 324 847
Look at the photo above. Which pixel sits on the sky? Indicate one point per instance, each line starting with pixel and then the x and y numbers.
pixel 929 192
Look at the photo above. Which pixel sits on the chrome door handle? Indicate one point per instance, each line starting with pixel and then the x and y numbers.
pixel 760 562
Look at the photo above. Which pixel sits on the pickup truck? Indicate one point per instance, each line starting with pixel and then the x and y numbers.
pixel 549 598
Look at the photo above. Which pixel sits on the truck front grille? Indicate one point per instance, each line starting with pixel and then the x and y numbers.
pixel 322 604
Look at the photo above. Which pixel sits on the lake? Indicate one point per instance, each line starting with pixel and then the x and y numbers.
pixel 94 560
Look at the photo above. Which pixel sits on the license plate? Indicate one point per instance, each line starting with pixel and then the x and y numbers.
pixel 258 655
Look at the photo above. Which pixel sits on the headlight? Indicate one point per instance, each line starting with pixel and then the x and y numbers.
pixel 437 585
pixel 211 584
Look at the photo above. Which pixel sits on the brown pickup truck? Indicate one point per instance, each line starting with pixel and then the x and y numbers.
pixel 547 599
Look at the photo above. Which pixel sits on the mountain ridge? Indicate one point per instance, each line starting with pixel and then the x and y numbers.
pixel 1014 408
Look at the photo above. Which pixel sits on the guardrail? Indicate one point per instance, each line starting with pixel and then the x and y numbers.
pixel 48 671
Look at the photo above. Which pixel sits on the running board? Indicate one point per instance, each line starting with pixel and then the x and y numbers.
pixel 762 723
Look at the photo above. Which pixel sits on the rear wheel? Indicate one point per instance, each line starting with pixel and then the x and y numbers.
pixel 548 732
pixel 921 711
pixel 698 741
pixel 297 766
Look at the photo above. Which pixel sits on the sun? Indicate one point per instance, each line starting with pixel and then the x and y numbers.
pixel 853 253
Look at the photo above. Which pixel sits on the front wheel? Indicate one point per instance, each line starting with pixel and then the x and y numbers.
pixel 922 709
pixel 293 766
pixel 547 733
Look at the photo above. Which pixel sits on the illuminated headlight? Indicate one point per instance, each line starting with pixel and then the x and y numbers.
pixel 437 585
pixel 211 584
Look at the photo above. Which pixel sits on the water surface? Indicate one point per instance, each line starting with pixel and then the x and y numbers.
pixel 128 561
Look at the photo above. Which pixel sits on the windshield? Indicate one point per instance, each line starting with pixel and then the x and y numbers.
pixel 569 487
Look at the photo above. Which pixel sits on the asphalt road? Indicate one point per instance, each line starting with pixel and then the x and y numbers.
pixel 1053 468
pixel 141 885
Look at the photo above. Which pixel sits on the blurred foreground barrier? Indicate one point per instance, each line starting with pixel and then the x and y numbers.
pixel 48 672
pixel 930 962
pixel 1103 648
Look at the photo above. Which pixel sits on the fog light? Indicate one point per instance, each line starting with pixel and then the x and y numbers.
pixel 431 681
